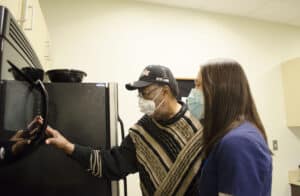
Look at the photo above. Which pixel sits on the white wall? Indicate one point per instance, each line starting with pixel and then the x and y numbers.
pixel 113 40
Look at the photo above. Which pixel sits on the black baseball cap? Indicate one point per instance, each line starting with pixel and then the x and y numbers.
pixel 155 74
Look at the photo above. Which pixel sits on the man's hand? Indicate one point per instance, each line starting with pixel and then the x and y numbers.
pixel 59 141
pixel 56 139
pixel 23 138
pixel 35 124
pixel 20 142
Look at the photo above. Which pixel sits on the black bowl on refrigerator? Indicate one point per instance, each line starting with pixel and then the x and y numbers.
pixel 65 75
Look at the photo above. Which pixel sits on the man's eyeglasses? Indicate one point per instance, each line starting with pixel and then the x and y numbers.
pixel 143 93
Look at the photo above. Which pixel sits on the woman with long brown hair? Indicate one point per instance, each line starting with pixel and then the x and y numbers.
pixel 237 159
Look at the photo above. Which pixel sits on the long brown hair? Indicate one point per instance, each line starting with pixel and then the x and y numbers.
pixel 228 101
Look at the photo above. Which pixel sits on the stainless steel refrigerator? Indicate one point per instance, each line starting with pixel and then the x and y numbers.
pixel 86 113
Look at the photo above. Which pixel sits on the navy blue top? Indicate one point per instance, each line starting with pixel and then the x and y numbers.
pixel 240 165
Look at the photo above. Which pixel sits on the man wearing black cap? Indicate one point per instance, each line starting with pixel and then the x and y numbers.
pixel 162 146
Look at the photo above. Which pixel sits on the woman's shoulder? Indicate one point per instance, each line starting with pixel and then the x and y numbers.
pixel 245 137
pixel 245 131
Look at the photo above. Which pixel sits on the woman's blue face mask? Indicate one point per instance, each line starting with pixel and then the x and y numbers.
pixel 195 103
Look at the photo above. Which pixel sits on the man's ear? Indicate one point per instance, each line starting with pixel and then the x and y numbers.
pixel 166 90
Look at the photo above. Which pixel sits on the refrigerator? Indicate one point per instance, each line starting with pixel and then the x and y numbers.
pixel 85 113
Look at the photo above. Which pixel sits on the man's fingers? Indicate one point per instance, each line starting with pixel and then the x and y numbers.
pixel 51 132
pixel 19 146
pixel 32 132
pixel 50 141
pixel 17 136
pixel 38 119
pixel 27 141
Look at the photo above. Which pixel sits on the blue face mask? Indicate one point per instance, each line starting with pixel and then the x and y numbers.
pixel 195 103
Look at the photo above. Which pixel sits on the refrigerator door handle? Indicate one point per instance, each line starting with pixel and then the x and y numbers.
pixel 38 84
pixel 42 132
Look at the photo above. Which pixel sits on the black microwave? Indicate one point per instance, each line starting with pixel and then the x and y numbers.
pixel 15 47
